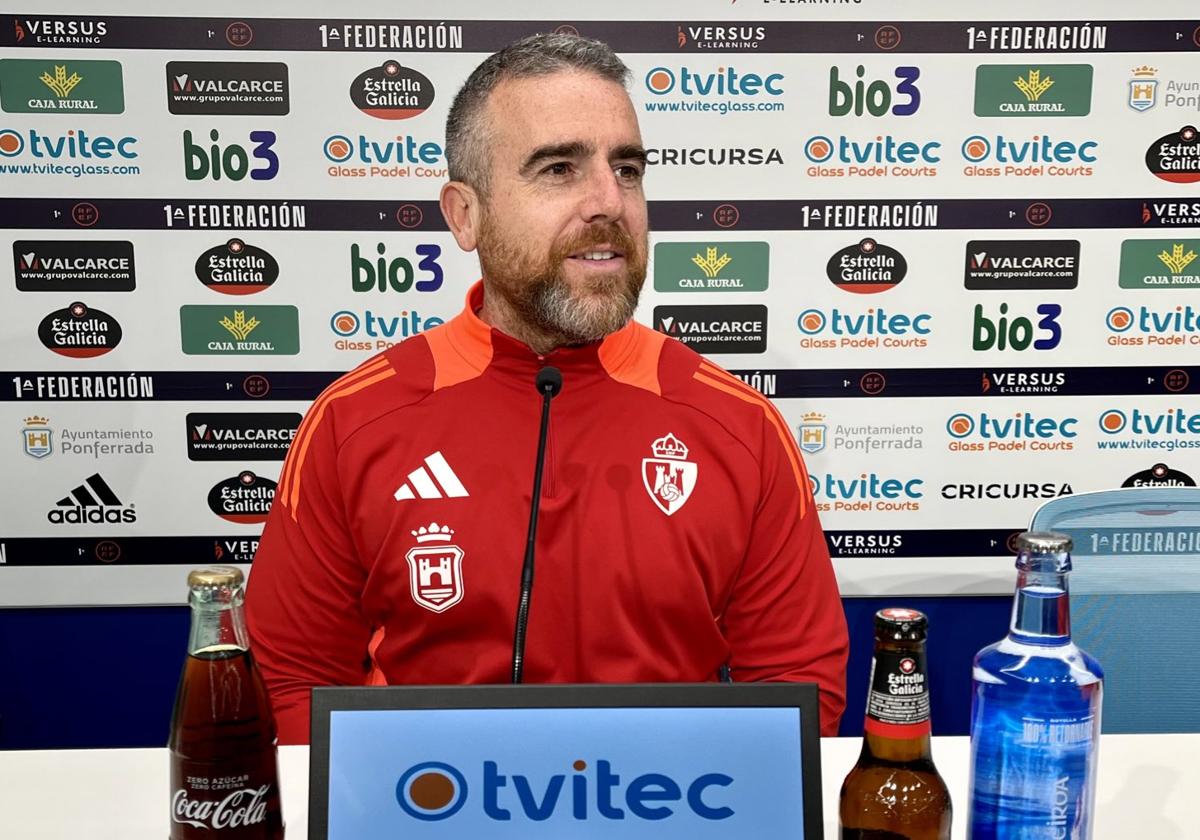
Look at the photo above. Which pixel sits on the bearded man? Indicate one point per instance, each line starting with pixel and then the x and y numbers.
pixel 678 537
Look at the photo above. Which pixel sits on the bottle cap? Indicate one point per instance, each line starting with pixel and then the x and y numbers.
pixel 900 624
pixel 1044 542
pixel 228 576
pixel 1044 551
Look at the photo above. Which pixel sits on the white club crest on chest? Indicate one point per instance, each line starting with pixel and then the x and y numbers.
pixel 435 568
pixel 669 477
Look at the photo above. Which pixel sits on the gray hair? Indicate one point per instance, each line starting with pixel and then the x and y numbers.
pixel 536 55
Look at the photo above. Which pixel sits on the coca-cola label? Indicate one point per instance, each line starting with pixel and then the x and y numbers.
pixel 898 700
pixel 235 809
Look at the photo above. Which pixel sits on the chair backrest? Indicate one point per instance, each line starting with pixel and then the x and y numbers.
pixel 1135 599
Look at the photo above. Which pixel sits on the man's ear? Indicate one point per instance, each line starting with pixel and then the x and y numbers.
pixel 461 209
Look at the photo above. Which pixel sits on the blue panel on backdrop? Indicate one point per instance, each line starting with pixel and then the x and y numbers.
pixel 97 677
pixel 106 677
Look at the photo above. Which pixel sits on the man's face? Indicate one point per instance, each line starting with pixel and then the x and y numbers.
pixel 563 233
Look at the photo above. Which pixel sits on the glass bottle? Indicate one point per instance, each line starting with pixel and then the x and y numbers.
pixel 895 792
pixel 224 781
pixel 1035 713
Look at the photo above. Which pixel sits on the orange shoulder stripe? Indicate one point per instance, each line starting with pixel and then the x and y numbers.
pixel 306 427
pixel 352 383
pixel 788 441
pixel 293 497
pixel 772 415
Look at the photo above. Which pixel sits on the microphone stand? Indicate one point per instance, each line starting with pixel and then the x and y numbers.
pixel 549 383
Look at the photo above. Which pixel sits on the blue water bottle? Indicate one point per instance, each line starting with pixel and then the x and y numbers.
pixel 1035 713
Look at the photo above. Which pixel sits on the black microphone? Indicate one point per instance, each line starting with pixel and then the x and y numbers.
pixel 549 383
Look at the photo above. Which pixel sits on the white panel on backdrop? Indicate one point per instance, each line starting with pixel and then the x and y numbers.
pixel 962 254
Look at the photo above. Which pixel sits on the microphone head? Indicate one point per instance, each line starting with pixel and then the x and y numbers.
pixel 549 381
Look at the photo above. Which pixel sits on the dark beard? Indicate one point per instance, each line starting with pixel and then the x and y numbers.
pixel 542 299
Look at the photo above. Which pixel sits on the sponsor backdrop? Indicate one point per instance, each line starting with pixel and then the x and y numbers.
pixel 962 255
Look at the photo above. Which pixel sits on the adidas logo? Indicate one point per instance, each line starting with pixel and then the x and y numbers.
pixel 92 502
pixel 421 485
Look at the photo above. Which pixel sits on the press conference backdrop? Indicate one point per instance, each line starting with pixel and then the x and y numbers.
pixel 961 253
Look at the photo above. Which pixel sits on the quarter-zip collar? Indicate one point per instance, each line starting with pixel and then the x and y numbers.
pixel 483 347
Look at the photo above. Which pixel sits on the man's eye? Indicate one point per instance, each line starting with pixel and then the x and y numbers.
pixel 559 169
pixel 629 172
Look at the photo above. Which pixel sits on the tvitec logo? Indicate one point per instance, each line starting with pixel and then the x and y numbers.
pixel 746 91
pixel 231 162
pixel 1172 429
pixel 874 328
pixel 882 156
pixel 1020 432
pixel 74 153
pixel 1172 327
pixel 385 330
pixel 432 791
pixel 876 98
pixel 866 492
pixel 725 82
pixel 397 157
pixel 1037 156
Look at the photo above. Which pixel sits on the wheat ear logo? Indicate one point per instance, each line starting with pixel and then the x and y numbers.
pixel 1177 261
pixel 710 263
pixel 1033 85
pixel 239 326
pixel 60 83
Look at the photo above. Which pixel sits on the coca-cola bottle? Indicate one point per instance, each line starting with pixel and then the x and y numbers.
pixel 224 783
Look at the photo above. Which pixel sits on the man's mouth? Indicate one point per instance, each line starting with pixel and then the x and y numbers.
pixel 598 254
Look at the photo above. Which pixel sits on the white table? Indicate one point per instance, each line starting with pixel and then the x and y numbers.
pixel 1147 789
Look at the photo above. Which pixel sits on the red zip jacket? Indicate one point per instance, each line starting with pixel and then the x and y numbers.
pixel 677 532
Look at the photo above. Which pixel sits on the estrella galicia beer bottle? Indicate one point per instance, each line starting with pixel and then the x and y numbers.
pixel 224 783
pixel 894 792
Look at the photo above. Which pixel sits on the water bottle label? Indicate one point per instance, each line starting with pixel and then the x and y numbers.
pixel 898 702
pixel 1033 776
pixel 1054 752
pixel 1071 733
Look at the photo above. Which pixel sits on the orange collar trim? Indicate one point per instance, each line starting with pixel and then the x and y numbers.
pixel 463 349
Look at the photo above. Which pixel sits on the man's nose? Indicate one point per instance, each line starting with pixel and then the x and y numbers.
pixel 602 199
